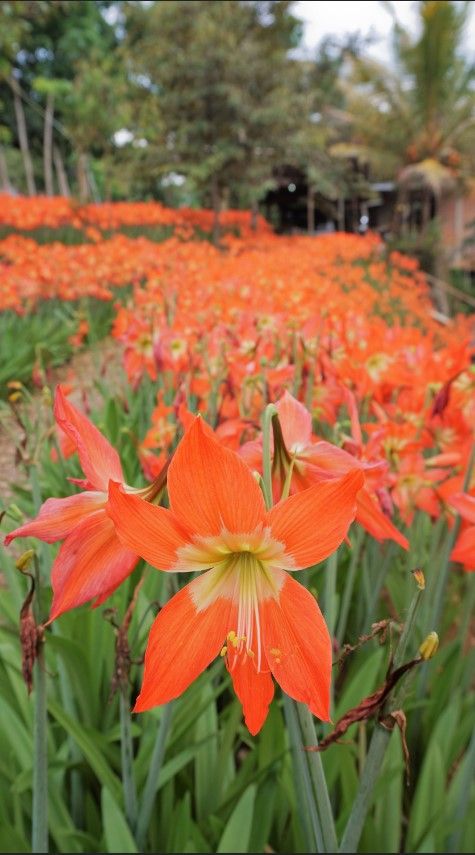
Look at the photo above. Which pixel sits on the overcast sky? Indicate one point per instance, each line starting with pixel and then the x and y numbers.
pixel 337 17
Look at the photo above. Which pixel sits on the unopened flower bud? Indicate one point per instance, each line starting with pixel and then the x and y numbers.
pixel 23 561
pixel 429 646
pixel 14 397
pixel 419 578
pixel 14 511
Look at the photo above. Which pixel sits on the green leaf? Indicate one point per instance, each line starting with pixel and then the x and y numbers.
pixel 116 831
pixel 90 749
pixel 428 806
pixel 237 833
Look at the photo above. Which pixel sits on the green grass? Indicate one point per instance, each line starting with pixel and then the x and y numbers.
pixel 41 339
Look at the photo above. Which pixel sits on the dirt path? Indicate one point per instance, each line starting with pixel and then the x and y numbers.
pixel 102 360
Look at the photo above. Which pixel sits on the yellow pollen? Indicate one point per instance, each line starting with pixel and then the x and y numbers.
pixel 231 635
pixel 250 653
pixel 275 651
pixel 277 661
pixel 224 650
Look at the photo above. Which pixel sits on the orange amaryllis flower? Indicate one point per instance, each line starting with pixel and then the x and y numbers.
pixel 245 605
pixel 464 549
pixel 311 462
pixel 92 562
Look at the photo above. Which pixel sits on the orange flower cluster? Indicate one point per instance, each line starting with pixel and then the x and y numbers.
pixel 333 320
pixel 330 319
pixel 373 409
pixel 54 212
pixel 31 272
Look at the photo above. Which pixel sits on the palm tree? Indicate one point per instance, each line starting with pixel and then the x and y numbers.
pixel 417 117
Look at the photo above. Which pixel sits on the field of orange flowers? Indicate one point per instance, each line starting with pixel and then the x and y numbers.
pixel 290 423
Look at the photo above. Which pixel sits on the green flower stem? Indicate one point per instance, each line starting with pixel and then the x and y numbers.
pixel 350 583
pixel 151 784
pixel 288 480
pixel 317 776
pixel 371 770
pixel 127 760
pixel 330 592
pixel 377 748
pixel 269 413
pixel 39 829
pixel 306 801
pixel 400 652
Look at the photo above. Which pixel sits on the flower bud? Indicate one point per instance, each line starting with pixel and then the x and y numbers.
pixel 14 511
pixel 23 561
pixel 46 396
pixel 429 646
pixel 419 578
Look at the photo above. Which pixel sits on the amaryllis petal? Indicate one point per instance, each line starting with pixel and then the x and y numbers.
pixel 331 458
pixel 99 460
pixel 371 517
pixel 254 689
pixel 150 531
pixel 91 561
pixel 298 646
pixel 58 517
pixel 464 503
pixel 251 452
pixel 313 523
pixel 295 420
pixel 464 549
pixel 182 642
pixel 211 488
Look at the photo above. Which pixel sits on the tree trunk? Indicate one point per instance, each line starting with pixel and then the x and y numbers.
pixel 4 179
pixel 81 173
pixel 216 202
pixel 61 176
pixel 310 209
pixel 23 137
pixel 48 145
pixel 93 189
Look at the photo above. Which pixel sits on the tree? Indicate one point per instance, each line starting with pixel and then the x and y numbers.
pixel 46 48
pixel 417 119
pixel 216 74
